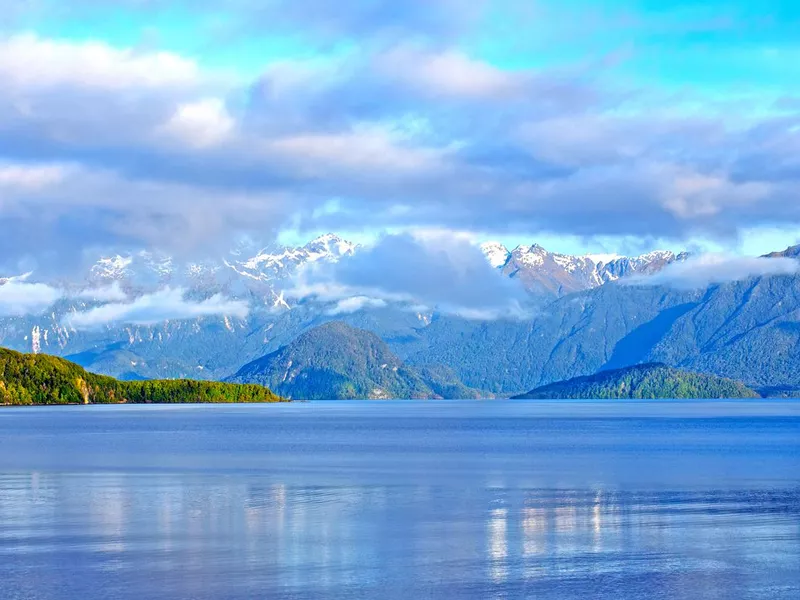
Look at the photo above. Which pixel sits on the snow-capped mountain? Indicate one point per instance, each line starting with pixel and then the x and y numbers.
pixel 257 277
pixel 141 267
pixel 261 272
pixel 705 329
pixel 552 275
pixel 255 272
pixel 496 253
pixel 215 345
pixel 271 264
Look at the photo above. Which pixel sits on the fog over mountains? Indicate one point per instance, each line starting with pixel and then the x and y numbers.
pixel 145 315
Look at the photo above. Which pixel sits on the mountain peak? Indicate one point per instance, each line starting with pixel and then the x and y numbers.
pixel 496 253
pixel 326 238
pixel 554 274
pixel 336 360
pixel 536 248
pixel 329 246
pixel 112 267
pixel 790 252
pixel 602 259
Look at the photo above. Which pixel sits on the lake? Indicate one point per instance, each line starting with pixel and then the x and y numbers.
pixel 402 500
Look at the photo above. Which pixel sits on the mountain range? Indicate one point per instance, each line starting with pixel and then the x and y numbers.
pixel 214 347
pixel 551 275
pixel 588 318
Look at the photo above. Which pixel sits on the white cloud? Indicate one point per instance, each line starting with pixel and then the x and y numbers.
pixel 109 293
pixel 89 209
pixel 447 73
pixel 394 134
pixel 701 271
pixel 367 149
pixel 450 275
pixel 27 178
pixel 200 124
pixel 354 304
pixel 164 305
pixel 692 195
pixel 19 298
pixel 30 62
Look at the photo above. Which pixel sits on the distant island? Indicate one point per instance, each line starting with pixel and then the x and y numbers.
pixel 30 379
pixel 648 381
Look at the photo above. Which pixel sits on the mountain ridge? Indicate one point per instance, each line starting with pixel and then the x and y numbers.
pixel 552 274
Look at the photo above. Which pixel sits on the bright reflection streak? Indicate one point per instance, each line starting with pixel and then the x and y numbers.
pixel 498 544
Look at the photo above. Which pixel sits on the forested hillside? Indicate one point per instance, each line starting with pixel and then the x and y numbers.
pixel 41 379
pixel 745 330
pixel 651 381
pixel 337 361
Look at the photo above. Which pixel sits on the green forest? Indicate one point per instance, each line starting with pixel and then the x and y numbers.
pixel 27 379
pixel 649 381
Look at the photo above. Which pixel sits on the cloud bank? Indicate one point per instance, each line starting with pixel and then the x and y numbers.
pixel 164 305
pixel 108 293
pixel 448 275
pixel 396 114
pixel 702 271
pixel 19 298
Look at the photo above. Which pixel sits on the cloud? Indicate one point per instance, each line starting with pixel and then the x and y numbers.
pixel 91 212
pixel 412 127
pixel 30 178
pixel 200 124
pixel 526 151
pixel 19 298
pixel 109 293
pixel 356 303
pixel 447 73
pixel 165 305
pixel 451 277
pixel 33 63
pixel 354 152
pixel 702 271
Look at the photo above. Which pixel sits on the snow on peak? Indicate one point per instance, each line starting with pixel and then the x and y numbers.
pixel 277 263
pixel 565 273
pixel 280 260
pixel 496 253
pixel 530 256
pixel 602 259
pixel 656 255
pixel 114 267
pixel 532 249
pixel 329 246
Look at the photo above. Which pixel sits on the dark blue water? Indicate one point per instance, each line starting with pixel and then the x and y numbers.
pixel 402 500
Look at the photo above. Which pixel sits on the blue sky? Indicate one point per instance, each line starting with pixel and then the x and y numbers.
pixel 586 126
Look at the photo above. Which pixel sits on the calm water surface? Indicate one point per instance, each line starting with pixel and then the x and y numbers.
pixel 402 500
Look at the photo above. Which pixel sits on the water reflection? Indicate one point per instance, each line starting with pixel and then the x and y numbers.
pixel 400 501
pixel 498 544
pixel 206 537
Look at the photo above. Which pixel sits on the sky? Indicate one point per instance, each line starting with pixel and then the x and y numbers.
pixel 615 126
